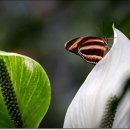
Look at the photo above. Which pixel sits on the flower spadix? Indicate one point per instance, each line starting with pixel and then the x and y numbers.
pixel 91 106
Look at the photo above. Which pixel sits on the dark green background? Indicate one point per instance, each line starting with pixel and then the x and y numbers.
pixel 39 29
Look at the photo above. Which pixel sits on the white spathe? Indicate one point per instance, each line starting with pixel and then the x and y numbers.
pixel 105 80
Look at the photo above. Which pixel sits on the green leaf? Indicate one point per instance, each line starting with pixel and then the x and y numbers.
pixel 24 91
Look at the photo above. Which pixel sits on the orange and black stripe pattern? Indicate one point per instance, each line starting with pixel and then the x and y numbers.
pixel 91 49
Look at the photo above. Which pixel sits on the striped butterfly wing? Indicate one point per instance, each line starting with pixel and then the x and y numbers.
pixel 74 44
pixel 91 49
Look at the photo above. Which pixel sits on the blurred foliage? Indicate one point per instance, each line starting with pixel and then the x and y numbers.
pixel 39 29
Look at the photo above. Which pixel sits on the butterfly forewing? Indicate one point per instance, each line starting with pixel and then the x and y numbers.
pixel 74 44
pixel 91 49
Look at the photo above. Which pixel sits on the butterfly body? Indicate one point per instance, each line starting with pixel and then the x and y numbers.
pixel 91 49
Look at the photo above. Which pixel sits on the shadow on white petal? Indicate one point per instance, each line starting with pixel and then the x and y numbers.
pixel 122 118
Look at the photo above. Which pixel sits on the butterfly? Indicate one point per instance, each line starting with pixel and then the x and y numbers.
pixel 91 49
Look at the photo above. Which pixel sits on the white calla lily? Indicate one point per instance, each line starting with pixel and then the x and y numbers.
pixel 104 82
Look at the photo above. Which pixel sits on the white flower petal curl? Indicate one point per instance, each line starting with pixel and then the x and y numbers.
pixel 105 80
